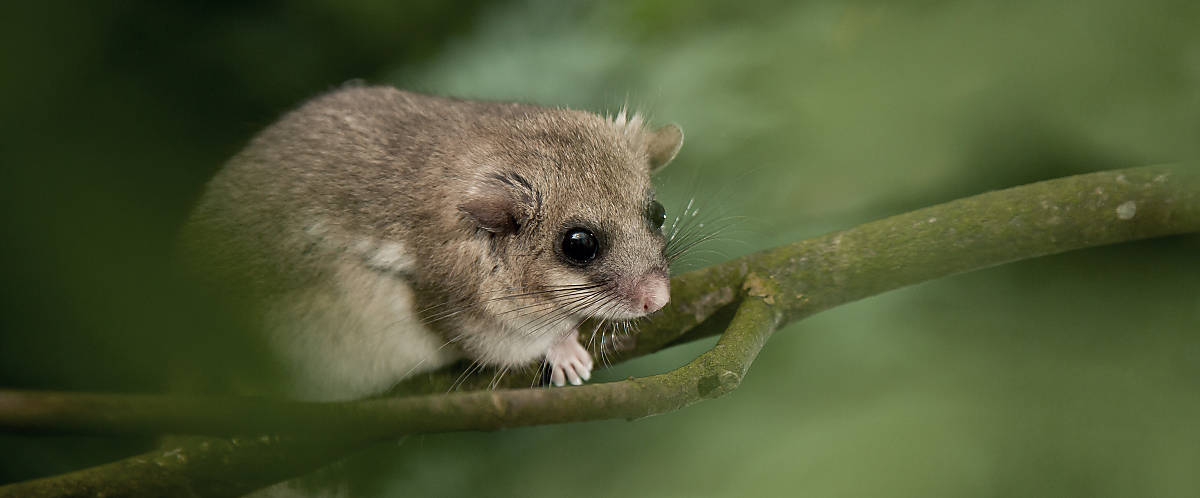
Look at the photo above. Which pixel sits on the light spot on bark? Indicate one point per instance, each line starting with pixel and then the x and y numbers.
pixel 704 306
pixel 498 404
pixel 1126 210
pixel 756 287
pixel 167 456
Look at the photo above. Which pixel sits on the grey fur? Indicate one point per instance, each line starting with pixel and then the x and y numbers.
pixel 366 196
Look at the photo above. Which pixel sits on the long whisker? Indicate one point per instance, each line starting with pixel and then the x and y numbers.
pixel 537 378
pixel 699 235
pixel 600 349
pixel 497 378
pixel 676 252
pixel 592 337
pixel 556 316
pixel 471 369
pixel 569 306
pixel 567 292
pixel 544 288
pixel 567 313
pixel 540 291
pixel 427 310
pixel 549 304
pixel 685 233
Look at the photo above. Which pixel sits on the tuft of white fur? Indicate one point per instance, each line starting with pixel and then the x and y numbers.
pixel 629 124
pixel 386 255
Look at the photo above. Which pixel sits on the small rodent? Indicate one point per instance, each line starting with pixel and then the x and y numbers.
pixel 384 233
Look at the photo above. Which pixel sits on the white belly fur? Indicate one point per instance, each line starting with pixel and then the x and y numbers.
pixel 354 337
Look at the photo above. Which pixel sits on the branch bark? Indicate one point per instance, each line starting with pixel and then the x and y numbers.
pixel 977 232
pixel 747 298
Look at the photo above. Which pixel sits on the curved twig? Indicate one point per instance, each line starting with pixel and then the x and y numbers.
pixel 753 295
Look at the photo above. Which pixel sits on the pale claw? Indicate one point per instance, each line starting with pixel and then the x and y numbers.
pixel 569 361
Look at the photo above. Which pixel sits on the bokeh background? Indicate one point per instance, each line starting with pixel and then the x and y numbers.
pixel 1072 375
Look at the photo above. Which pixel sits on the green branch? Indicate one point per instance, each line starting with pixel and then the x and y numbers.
pixel 746 298
pixel 977 232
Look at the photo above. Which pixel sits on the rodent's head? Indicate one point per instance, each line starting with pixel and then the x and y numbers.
pixel 565 202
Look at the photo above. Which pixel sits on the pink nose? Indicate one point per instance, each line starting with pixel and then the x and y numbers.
pixel 653 292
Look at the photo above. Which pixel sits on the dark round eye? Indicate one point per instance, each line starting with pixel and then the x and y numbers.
pixel 656 213
pixel 580 245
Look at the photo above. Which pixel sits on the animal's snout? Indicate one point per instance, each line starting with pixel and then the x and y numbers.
pixel 652 292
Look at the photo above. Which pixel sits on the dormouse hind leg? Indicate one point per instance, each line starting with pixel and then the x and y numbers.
pixel 569 361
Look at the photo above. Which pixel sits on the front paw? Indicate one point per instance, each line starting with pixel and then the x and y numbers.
pixel 569 361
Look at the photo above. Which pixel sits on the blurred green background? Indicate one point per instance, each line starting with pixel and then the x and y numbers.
pixel 1073 375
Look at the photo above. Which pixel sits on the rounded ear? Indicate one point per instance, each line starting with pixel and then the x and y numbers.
pixel 494 213
pixel 662 145
pixel 500 204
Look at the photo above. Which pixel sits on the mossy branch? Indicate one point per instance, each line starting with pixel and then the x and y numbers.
pixel 977 232
pixel 747 298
